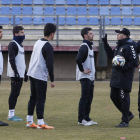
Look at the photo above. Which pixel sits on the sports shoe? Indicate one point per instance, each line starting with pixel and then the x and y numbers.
pixel 91 121
pixel 44 127
pixel 3 124
pixel 85 123
pixel 130 117
pixel 33 125
pixel 122 124
pixel 15 118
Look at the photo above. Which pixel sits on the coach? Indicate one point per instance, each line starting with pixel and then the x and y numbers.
pixel 122 76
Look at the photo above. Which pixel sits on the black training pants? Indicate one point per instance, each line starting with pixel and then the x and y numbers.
pixel 139 96
pixel 121 100
pixel 37 97
pixel 87 87
pixel 15 91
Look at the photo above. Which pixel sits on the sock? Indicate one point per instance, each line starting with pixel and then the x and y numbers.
pixel 11 113
pixel 29 118
pixel 40 121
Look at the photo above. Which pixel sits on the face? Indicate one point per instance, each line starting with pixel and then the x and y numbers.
pixel 1 34
pixel 121 36
pixel 89 36
pixel 20 33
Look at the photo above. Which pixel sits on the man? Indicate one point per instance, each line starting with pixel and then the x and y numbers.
pixel 86 74
pixel 16 69
pixel 122 76
pixel 1 70
pixel 41 64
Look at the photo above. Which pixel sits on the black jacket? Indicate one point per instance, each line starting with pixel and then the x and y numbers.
pixel 122 78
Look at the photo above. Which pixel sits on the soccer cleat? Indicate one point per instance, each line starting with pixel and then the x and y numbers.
pixel 3 124
pixel 15 118
pixel 86 123
pixel 91 121
pixel 44 127
pixel 122 124
pixel 130 117
pixel 33 125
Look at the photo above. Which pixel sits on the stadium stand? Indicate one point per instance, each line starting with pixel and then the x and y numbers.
pixel 37 21
pixel 26 20
pixel 126 2
pixel 37 10
pixel 93 21
pixel 17 21
pixel 59 2
pixel 71 2
pixel 115 11
pixel 71 10
pixel 82 2
pixel 4 20
pixel 115 2
pixel 71 20
pixel 136 20
pixel 104 2
pixel 136 2
pixel 49 11
pixel 5 10
pixel 81 10
pixel 104 10
pixel 82 21
pixel 126 11
pixel 93 11
pixel 49 2
pixel 27 10
pixel 27 2
pixel 6 2
pixel 48 20
pixel 107 21
pixel 93 2
pixel 136 10
pixel 61 20
pixel 60 11
pixel 16 2
pixel 127 21
pixel 16 10
pixel 38 2
pixel 115 21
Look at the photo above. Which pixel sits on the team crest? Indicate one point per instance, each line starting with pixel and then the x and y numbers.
pixel 121 29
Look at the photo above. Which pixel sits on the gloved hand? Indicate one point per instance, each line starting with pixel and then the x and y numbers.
pixel 25 76
pixel 105 39
pixel 17 77
pixel 118 67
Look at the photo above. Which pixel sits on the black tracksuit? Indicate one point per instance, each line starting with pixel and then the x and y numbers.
pixel 122 77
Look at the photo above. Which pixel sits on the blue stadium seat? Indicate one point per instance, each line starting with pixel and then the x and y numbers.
pixel 4 20
pixel 61 20
pixel 49 10
pixel 71 2
pixel 5 10
pixel 37 21
pixel 6 2
pixel 82 10
pixel 107 21
pixel 127 21
pixel 104 2
pixel 27 10
pixel 17 20
pixel 104 10
pixel 71 10
pixel 48 20
pixel 59 2
pixel 27 2
pixel 18 2
pixel 136 10
pixel 126 2
pixel 82 2
pixel 38 2
pixel 93 21
pixel 16 10
pixel 37 10
pixel 115 21
pixel 115 2
pixel 115 11
pixel 136 20
pixel 126 11
pixel 92 2
pixel 93 11
pixel 136 2
pixel 26 20
pixel 82 21
pixel 70 20
pixel 60 11
pixel 49 2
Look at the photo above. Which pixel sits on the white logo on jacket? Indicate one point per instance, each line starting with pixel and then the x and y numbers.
pixel 133 52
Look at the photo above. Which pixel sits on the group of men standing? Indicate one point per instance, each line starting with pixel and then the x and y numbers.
pixel 41 65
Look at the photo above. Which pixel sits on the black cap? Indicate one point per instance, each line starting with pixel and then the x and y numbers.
pixel 123 31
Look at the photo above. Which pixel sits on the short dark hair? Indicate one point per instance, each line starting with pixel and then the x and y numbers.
pixel 16 29
pixel 85 30
pixel 49 28
pixel 1 27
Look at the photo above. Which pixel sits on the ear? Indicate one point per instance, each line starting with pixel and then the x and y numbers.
pixel 16 34
pixel 85 36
